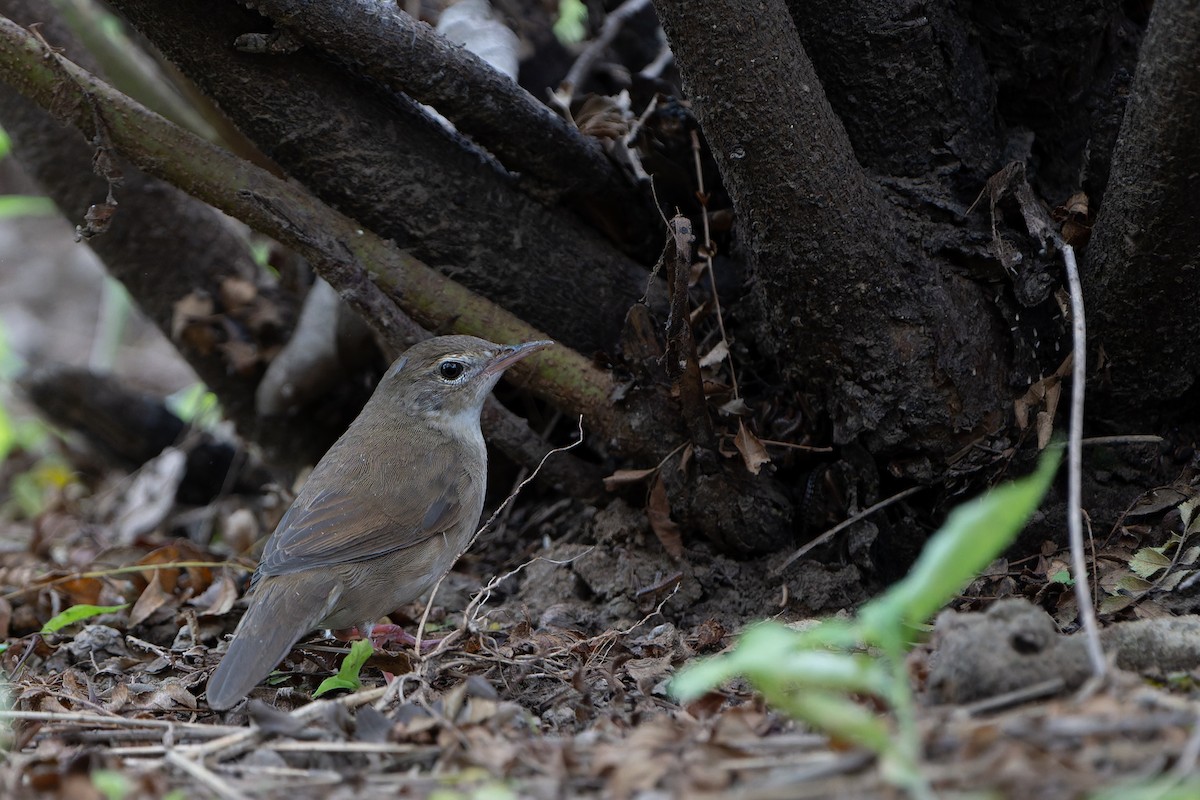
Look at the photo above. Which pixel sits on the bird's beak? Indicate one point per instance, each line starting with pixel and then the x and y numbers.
pixel 511 354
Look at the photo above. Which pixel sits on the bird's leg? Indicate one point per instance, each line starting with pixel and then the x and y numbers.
pixel 383 634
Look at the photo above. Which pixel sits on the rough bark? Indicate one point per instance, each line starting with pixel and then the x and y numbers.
pixel 888 343
pixel 1061 71
pixel 378 158
pixel 1142 276
pixel 908 84
pixel 552 159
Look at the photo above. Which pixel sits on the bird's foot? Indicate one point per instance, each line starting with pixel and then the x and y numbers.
pixel 385 634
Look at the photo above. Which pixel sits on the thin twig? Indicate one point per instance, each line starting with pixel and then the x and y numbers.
pixel 100 719
pixel 216 784
pixel 471 612
pixel 608 31
pixel 1083 597
pixel 660 62
pixel 244 738
pixel 1138 438
pixel 487 524
pixel 1019 696
pixel 131 568
pixel 808 448
pixel 841 526
pixel 1185 765
pixel 708 261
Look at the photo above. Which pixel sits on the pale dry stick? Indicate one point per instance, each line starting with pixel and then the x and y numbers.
pixel 523 473
pixel 471 612
pixel 603 642
pixel 1083 597
pixel 211 781
pixel 310 777
pixel 841 526
pixel 708 261
pixel 608 31
pixel 245 738
pixel 100 719
pixel 808 448
pixel 1046 688
pixel 1185 764
pixel 134 751
pixel 635 161
pixel 1138 438
pixel 660 62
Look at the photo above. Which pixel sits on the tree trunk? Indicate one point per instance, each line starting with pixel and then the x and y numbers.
pixel 890 345
pixel 1142 274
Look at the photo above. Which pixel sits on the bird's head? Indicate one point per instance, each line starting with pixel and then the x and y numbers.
pixel 450 375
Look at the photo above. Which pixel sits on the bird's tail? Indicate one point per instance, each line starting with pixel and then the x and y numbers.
pixel 283 609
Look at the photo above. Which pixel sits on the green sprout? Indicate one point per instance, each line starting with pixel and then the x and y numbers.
pixel 352 664
pixel 816 675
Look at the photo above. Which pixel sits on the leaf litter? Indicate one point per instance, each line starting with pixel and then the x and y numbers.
pixel 551 682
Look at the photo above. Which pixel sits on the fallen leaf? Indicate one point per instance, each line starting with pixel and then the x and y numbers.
pixel 152 495
pixel 237 292
pixel 152 599
pixel 754 454
pixel 658 511
pixel 735 407
pixel 716 355
pixel 624 477
pixel 191 311
pixel 218 598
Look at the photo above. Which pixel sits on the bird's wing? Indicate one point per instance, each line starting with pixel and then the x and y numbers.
pixel 368 514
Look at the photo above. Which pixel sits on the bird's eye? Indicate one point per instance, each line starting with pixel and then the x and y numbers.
pixel 451 370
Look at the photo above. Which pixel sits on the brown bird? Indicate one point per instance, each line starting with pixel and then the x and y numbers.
pixel 385 513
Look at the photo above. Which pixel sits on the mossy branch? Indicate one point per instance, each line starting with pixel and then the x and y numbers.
pixel 369 272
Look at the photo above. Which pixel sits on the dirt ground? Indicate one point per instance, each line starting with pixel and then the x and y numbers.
pixel 562 629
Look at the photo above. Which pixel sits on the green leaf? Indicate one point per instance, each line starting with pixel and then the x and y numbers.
pixel 1134 585
pixel 77 614
pixel 571 25
pixel 778 660
pixel 8 434
pixel 112 784
pixel 5 144
pixel 352 664
pixel 1063 576
pixel 1171 581
pixel 1147 561
pixel 19 205
pixel 973 535
pixel 1187 511
pixel 841 717
pixel 1112 603
pixel 196 405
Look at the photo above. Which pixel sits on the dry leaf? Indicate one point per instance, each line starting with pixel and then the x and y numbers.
pixel 736 407
pixel 237 292
pixel 658 511
pixel 152 495
pixel 218 598
pixel 192 308
pixel 716 355
pixel 241 357
pixel 754 454
pixel 624 477
pixel 152 599
pixel 1045 429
